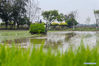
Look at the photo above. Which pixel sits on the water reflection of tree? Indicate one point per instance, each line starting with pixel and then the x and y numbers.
pixel 97 38
pixel 53 44
pixel 16 41
pixel 88 36
pixel 68 36
pixel 37 41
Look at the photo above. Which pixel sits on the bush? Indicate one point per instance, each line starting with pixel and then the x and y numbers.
pixel 2 23
pixel 54 23
pixel 63 23
pixel 44 23
pixel 37 28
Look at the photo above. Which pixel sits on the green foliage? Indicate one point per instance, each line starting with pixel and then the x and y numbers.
pixel 37 41
pixel 19 12
pixel 63 23
pixel 2 23
pixel 54 23
pixel 43 23
pixel 13 11
pixel 53 15
pixel 24 21
pixel 5 11
pixel 71 22
pixel 60 17
pixel 96 11
pixel 13 56
pixel 37 28
pixel 50 15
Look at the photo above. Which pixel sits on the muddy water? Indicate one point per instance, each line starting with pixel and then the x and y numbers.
pixel 58 40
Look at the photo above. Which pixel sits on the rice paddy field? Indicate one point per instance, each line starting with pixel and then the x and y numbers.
pixel 19 48
pixel 12 56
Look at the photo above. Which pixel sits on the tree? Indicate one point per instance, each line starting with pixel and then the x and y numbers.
pixel 72 19
pixel 13 11
pixel 71 22
pixel 50 16
pixel 88 20
pixel 24 21
pixel 96 12
pixel 65 17
pixel 32 9
pixel 5 11
pixel 19 11
pixel 60 17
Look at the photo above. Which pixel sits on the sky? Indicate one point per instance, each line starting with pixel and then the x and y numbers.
pixel 84 8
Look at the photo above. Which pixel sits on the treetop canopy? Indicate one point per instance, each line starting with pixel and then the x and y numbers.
pixel 96 11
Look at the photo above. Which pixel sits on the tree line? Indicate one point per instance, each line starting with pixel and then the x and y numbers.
pixel 17 12
pixel 21 12
pixel 53 15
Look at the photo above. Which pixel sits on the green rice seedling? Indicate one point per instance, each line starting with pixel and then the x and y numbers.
pixel 15 56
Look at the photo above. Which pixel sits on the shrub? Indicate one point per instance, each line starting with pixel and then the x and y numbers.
pixel 54 23
pixel 43 23
pixel 2 23
pixel 37 28
pixel 63 23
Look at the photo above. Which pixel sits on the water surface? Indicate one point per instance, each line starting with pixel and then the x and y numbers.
pixel 57 40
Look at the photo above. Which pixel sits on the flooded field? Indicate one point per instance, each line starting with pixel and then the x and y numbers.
pixel 57 40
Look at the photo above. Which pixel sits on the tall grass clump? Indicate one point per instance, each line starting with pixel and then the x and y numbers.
pixel 97 54
pixel 13 56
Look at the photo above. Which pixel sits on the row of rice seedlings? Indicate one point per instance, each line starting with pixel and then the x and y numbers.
pixel 13 56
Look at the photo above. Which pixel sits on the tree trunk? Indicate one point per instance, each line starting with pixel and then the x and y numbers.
pixel 73 26
pixel 6 24
pixel 17 25
pixel 46 28
pixel 14 25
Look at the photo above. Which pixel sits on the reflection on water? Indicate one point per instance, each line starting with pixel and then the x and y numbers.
pixel 16 41
pixel 59 40
pixel 54 45
pixel 71 39
pixel 68 36
pixel 37 41
pixel 97 34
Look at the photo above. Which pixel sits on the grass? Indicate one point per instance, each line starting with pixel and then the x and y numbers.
pixel 84 29
pixel 39 57
pixel 78 29
pixel 11 34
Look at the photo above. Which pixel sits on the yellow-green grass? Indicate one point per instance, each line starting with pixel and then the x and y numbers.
pixel 13 56
pixel 77 29
pixel 17 34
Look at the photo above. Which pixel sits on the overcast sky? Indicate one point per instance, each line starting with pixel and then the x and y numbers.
pixel 85 8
